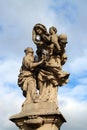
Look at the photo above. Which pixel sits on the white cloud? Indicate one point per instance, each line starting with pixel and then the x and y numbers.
pixel 77 92
pixel 73 107
pixel 11 101
pixel 75 113
pixel 9 70
pixel 78 66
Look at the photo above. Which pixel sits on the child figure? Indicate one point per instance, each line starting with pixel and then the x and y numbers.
pixel 53 40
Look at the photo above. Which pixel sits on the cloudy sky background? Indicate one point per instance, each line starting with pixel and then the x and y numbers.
pixel 17 18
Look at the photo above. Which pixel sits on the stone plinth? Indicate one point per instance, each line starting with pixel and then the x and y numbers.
pixel 39 116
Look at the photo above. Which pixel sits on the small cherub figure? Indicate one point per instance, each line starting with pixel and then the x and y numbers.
pixel 63 42
pixel 53 40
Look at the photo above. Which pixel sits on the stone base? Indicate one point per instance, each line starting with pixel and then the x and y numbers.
pixel 43 127
pixel 39 116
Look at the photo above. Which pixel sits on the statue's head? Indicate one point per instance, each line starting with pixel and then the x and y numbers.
pixel 28 50
pixel 63 38
pixel 52 29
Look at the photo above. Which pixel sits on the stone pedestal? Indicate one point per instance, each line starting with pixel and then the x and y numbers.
pixel 39 116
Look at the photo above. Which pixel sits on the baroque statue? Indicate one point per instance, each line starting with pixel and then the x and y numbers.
pixel 40 76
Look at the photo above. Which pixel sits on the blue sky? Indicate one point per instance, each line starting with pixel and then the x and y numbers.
pixel 17 18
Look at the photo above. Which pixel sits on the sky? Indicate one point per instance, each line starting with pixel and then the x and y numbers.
pixel 17 18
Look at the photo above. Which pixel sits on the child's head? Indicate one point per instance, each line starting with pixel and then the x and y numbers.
pixel 63 38
pixel 52 30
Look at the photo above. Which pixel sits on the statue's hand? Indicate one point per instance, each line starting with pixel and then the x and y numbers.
pixel 43 60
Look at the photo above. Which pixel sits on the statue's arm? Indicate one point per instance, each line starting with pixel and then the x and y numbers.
pixel 29 64
pixel 35 64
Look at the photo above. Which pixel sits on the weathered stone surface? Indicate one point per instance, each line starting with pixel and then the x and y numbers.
pixel 39 78
pixel 38 122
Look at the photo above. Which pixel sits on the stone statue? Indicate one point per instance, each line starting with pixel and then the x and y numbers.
pixel 26 78
pixel 39 78
pixel 50 76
